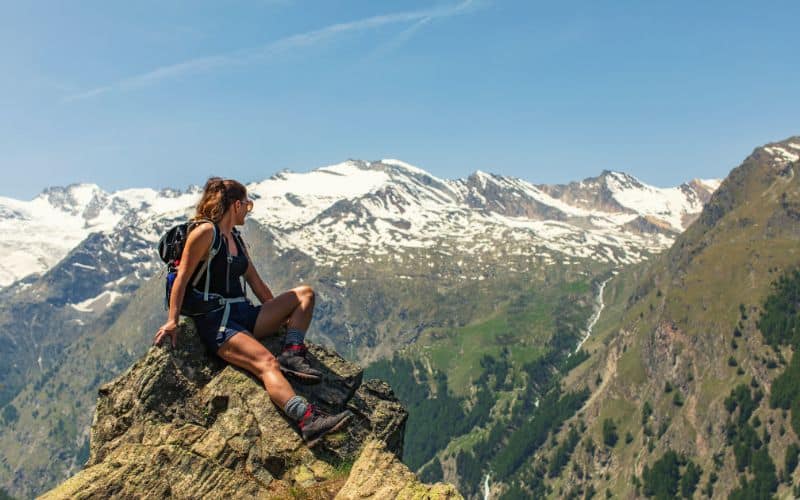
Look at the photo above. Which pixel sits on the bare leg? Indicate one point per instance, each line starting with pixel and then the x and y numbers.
pixel 246 352
pixel 296 306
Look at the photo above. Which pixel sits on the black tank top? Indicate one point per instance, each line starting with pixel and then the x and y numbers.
pixel 226 270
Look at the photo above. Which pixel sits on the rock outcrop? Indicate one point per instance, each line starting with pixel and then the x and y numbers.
pixel 183 423
pixel 378 474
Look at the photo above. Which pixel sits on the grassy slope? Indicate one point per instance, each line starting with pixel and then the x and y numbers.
pixel 521 325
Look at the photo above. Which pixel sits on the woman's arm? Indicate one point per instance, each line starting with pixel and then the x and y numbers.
pixel 258 286
pixel 196 249
pixel 262 291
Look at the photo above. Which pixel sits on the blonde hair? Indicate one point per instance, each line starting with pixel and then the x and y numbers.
pixel 218 195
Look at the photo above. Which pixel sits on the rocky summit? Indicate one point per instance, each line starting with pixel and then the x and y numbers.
pixel 182 423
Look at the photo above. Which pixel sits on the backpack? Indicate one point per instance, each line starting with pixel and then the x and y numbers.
pixel 170 249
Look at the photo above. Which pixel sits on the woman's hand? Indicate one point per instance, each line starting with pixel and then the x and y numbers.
pixel 169 328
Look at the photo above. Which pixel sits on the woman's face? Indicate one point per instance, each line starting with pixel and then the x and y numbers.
pixel 242 208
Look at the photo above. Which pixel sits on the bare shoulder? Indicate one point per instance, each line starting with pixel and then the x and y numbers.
pixel 201 236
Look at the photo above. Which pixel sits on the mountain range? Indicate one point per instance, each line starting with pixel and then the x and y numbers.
pixel 397 256
pixel 334 212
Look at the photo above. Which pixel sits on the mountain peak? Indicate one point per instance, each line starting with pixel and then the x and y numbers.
pixel 481 177
pixel 74 199
pixel 710 185
pixel 79 194
pixel 617 181
pixel 403 165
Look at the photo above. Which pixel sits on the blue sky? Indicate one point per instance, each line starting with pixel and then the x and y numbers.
pixel 134 94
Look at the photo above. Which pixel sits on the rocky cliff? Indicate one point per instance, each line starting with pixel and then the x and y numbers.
pixel 182 423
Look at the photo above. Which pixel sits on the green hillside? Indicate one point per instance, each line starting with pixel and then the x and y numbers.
pixel 692 367
pixel 484 396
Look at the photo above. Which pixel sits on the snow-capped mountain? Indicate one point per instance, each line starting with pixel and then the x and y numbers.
pixel 386 205
pixel 356 207
pixel 37 234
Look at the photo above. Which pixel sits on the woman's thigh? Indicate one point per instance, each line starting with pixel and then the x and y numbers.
pixel 245 352
pixel 274 313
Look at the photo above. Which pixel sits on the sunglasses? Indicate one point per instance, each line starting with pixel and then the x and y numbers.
pixel 247 203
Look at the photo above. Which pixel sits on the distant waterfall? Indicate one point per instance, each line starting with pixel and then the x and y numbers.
pixel 599 305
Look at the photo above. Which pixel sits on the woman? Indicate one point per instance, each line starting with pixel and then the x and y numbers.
pixel 225 202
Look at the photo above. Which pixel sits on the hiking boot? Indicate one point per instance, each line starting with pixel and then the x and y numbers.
pixel 293 362
pixel 315 424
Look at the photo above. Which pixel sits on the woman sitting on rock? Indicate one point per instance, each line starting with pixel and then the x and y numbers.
pixel 225 203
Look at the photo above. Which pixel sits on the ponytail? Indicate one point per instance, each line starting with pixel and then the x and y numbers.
pixel 218 195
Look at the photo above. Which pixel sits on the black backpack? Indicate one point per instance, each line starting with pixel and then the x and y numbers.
pixel 170 249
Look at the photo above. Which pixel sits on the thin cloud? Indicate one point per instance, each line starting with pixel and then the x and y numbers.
pixel 251 55
pixel 400 39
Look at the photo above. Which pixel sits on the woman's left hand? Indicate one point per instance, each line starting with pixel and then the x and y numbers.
pixel 169 328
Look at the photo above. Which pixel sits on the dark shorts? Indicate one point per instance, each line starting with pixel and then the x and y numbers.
pixel 242 318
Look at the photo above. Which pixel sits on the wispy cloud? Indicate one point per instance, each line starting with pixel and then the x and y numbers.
pixel 252 55
pixel 400 39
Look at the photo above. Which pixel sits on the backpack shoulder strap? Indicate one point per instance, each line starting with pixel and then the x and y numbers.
pixel 238 237
pixel 216 244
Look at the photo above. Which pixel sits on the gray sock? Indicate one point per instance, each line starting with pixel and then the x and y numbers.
pixel 295 408
pixel 294 336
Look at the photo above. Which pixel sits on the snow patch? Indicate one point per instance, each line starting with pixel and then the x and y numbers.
pixel 781 153
pixel 104 300
pixel 667 204
pixel 404 165
pixel 710 184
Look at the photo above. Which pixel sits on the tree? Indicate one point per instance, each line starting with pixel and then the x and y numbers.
pixel 662 480
pixel 689 480
pixel 610 436
pixel 10 414
pixel 628 437
pixel 790 461
pixel 647 410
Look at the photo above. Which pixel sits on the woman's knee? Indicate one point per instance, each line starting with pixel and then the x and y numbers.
pixel 305 293
pixel 266 364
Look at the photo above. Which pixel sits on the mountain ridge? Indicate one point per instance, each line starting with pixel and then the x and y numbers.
pixel 66 215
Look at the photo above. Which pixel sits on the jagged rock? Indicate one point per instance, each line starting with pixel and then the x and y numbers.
pixel 375 402
pixel 379 474
pixel 185 424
